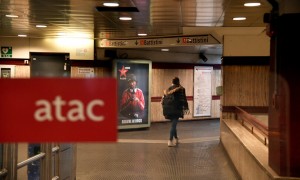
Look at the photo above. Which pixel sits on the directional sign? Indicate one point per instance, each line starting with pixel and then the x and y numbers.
pixel 58 110
pixel 159 42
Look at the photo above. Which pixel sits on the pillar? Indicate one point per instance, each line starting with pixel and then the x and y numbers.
pixel 284 108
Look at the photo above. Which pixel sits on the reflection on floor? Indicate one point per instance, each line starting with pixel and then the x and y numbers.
pixel 144 154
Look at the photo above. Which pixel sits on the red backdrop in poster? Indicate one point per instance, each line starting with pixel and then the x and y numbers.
pixel 58 110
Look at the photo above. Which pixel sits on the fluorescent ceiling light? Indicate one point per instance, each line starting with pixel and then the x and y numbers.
pixel 165 50
pixel 253 4
pixel 40 26
pixel 11 16
pixel 61 34
pixel 22 35
pixel 142 34
pixel 125 18
pixel 111 4
pixel 239 18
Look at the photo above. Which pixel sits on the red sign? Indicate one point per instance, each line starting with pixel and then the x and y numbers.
pixel 142 42
pixel 58 110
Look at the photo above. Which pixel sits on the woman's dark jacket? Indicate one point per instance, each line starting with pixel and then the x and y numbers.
pixel 175 110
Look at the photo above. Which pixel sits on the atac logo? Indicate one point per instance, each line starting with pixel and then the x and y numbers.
pixel 77 110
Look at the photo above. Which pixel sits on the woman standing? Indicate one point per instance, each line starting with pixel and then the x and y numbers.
pixel 174 109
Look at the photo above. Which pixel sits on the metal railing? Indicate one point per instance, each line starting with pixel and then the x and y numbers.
pixel 4 172
pixel 254 123
pixel 30 160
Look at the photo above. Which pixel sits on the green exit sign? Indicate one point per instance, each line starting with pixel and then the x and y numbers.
pixel 6 51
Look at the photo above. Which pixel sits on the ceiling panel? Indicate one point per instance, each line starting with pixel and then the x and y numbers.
pixel 155 17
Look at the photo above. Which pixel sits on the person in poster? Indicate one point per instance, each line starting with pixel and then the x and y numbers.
pixel 132 100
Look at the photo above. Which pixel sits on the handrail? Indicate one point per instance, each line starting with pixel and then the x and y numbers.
pixel 55 178
pixel 252 120
pixel 36 157
pixel 55 149
pixel 3 172
pixel 30 160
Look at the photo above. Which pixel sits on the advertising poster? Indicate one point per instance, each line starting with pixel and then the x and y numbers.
pixel 133 80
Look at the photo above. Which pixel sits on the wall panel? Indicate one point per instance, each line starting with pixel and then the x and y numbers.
pixel 22 72
pixel 245 85
pixel 79 48
pixel 162 79
pixel 247 45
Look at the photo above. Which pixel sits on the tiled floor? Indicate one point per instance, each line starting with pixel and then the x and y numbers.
pixel 144 154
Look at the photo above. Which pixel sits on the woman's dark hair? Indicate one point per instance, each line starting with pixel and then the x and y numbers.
pixel 176 81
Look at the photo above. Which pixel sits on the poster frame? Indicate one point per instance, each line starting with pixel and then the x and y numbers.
pixel 134 62
pixel 201 89
pixel 12 69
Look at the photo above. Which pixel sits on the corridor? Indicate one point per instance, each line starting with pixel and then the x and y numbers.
pixel 144 154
